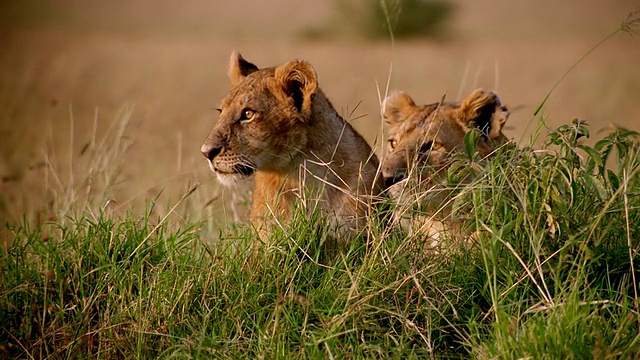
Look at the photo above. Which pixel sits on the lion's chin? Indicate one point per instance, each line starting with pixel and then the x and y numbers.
pixel 398 190
pixel 231 179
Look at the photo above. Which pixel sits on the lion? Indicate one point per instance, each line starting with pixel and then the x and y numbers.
pixel 277 125
pixel 422 140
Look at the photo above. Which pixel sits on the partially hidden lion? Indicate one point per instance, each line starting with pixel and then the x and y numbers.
pixel 422 139
pixel 276 124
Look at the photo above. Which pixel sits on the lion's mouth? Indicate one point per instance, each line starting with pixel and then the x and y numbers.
pixel 237 169
pixel 244 169
pixel 393 179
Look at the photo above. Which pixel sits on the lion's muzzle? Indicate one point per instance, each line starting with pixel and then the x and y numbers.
pixel 229 167
pixel 393 179
pixel 210 152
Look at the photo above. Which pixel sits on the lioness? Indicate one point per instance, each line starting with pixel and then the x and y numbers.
pixel 277 123
pixel 422 139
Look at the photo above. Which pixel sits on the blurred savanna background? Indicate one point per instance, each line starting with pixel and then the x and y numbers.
pixel 118 95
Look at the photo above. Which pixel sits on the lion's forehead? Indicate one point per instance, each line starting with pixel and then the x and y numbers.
pixel 250 95
pixel 253 90
pixel 425 118
pixel 419 128
pixel 428 126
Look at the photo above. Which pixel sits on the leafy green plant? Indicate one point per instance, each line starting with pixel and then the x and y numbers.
pixel 384 19
pixel 409 18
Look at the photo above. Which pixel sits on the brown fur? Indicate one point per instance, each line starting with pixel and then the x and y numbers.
pixel 276 123
pixel 421 140
pixel 429 133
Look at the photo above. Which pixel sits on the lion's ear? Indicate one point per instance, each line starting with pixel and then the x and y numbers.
pixel 397 108
pixel 239 68
pixel 298 80
pixel 486 111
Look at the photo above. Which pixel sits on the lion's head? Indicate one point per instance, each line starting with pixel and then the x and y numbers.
pixel 427 134
pixel 262 119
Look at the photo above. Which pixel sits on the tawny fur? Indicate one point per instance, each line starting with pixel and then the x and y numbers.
pixel 276 123
pixel 442 125
pixel 421 141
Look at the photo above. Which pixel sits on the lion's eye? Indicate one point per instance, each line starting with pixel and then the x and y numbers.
pixel 393 143
pixel 247 115
pixel 430 146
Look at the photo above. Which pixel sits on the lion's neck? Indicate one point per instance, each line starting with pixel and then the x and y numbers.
pixel 332 135
pixel 332 169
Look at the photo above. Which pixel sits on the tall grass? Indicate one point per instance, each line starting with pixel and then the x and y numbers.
pixel 551 273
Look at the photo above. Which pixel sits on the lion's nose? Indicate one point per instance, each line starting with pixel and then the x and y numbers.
pixel 393 179
pixel 210 151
